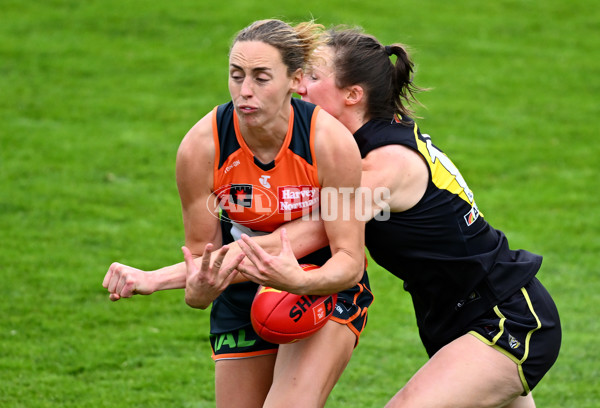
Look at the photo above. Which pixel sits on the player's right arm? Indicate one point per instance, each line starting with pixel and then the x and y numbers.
pixel 195 174
pixel 194 171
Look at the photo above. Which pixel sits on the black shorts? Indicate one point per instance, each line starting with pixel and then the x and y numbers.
pixel 231 332
pixel 526 328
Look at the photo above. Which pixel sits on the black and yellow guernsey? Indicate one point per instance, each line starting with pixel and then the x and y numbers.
pixel 453 263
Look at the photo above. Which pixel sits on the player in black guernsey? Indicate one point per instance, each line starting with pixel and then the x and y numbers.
pixel 489 326
pixel 452 262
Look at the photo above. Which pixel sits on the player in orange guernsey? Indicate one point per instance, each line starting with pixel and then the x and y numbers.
pixel 245 169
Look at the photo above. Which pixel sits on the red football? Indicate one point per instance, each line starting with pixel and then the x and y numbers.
pixel 281 317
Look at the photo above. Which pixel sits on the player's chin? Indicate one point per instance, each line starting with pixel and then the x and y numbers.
pixel 254 119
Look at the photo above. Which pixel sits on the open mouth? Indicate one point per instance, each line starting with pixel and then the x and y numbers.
pixel 247 109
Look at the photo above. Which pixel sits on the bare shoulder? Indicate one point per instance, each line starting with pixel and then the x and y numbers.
pixel 195 156
pixel 331 134
pixel 198 140
pixel 396 155
pixel 400 169
pixel 336 150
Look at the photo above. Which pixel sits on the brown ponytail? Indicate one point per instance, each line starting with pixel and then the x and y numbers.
pixel 404 89
pixel 361 59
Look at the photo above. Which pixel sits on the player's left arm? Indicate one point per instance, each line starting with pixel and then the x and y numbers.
pixel 339 165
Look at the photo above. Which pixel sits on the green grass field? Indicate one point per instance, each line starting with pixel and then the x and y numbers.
pixel 95 97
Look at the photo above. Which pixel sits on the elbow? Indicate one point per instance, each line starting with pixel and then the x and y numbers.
pixel 359 275
pixel 355 270
pixel 354 274
pixel 360 267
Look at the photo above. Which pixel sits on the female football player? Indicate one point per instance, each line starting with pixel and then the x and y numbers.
pixel 246 168
pixel 490 328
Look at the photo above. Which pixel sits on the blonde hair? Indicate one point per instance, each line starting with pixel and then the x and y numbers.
pixel 295 43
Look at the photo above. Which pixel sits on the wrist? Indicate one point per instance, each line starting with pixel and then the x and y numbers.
pixel 165 279
pixel 153 283
pixel 307 284
pixel 195 300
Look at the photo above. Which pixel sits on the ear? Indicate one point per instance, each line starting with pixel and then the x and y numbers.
pixel 296 79
pixel 354 94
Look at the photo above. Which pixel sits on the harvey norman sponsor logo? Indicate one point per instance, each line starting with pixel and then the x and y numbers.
pixel 292 199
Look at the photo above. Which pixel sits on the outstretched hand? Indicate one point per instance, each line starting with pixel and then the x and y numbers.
pixel 281 272
pixel 205 284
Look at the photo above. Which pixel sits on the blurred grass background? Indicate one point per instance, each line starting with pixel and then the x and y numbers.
pixel 95 97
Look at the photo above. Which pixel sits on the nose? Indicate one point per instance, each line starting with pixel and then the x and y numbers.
pixel 246 89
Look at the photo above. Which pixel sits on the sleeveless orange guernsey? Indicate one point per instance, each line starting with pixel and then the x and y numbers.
pixel 262 196
pixel 256 198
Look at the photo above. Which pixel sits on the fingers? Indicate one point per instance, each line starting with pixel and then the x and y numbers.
pixel 219 258
pixel 250 272
pixel 211 270
pixel 108 275
pixel 112 278
pixel 189 260
pixel 126 286
pixel 120 286
pixel 208 249
pixel 254 247
pixel 231 268
pixel 124 281
pixel 252 250
pixel 235 262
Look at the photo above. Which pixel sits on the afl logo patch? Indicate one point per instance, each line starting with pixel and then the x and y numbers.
pixel 472 215
pixel 241 194
pixel 246 203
